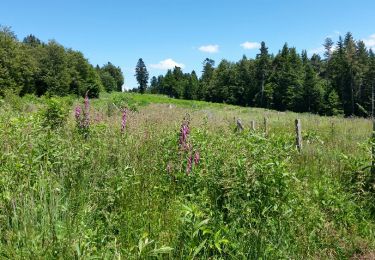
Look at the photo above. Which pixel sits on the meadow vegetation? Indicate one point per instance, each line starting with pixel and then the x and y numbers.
pixel 174 180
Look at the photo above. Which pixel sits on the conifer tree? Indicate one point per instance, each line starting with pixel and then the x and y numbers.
pixel 141 75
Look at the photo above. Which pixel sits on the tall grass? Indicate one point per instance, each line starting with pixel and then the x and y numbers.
pixel 126 193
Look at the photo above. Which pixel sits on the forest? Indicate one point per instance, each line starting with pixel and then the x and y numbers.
pixel 341 82
pixel 31 66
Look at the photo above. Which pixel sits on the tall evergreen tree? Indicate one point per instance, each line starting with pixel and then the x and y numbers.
pixel 191 88
pixel 244 85
pixel 141 75
pixel 328 45
pixel 154 85
pixel 263 68
pixel 207 73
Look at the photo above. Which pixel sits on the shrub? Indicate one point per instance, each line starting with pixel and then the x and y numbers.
pixel 55 113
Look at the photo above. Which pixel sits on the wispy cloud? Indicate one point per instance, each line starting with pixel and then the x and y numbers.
pixel 250 45
pixel 167 64
pixel 334 34
pixel 370 42
pixel 211 48
pixel 319 50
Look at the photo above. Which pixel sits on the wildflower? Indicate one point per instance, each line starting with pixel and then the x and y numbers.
pixel 83 117
pixel 123 121
pixel 184 133
pixel 196 158
pixel 77 113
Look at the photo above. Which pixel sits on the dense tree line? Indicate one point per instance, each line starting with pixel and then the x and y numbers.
pixel 340 82
pixel 34 67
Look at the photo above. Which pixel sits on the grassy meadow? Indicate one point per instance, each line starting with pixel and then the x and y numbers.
pixel 135 190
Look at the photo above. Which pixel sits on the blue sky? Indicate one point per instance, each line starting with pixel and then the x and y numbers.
pixel 185 32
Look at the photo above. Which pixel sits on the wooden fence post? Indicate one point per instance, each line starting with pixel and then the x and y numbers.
pixel 252 123
pixel 298 135
pixel 265 125
pixel 239 127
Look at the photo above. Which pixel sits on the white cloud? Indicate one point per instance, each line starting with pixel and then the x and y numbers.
pixel 209 48
pixel 250 45
pixel 370 42
pixel 167 64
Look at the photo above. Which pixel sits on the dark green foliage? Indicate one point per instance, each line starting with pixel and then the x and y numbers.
pixel 154 84
pixel 192 85
pixel 32 40
pixel 17 66
pixel 116 73
pixel 341 83
pixel 34 67
pixel 263 69
pixel 141 75
pixel 207 73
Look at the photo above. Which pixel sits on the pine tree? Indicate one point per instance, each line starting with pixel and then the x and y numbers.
pixel 207 73
pixel 191 88
pixel 244 86
pixel 154 85
pixel 333 106
pixel 141 75
pixel 313 91
pixel 263 66
pixel 328 45
pixel 32 40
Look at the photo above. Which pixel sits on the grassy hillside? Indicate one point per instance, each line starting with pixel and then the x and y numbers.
pixel 73 189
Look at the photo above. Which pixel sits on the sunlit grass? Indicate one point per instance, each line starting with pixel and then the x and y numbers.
pixel 113 195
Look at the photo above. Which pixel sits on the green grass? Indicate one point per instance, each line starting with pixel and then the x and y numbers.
pixel 128 196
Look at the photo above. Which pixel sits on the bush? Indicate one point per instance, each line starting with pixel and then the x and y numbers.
pixel 55 113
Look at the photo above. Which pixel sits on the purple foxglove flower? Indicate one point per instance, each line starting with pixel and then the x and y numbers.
pixel 184 133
